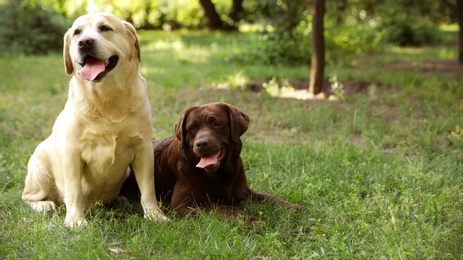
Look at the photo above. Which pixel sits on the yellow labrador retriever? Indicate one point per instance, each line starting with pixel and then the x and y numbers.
pixel 104 128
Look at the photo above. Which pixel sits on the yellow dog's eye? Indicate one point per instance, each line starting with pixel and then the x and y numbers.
pixel 77 32
pixel 105 28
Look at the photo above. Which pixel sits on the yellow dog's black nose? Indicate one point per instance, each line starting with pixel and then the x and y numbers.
pixel 85 43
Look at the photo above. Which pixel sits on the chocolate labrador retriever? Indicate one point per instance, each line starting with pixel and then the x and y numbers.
pixel 201 165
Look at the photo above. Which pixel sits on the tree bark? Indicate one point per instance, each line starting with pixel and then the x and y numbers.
pixel 213 21
pixel 317 66
pixel 236 11
pixel 341 7
pixel 459 10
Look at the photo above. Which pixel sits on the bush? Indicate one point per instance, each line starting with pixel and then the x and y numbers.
pixel 157 14
pixel 353 37
pixel 30 29
pixel 341 42
pixel 410 34
pixel 406 26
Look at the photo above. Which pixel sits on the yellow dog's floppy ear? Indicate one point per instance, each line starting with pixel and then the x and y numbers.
pixel 66 55
pixel 132 33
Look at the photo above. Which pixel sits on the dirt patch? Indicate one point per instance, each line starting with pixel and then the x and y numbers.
pixel 437 66
pixel 299 88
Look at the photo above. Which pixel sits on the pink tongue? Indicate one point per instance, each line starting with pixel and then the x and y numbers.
pixel 207 160
pixel 93 67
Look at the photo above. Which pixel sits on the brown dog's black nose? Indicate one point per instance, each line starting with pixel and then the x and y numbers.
pixel 85 43
pixel 202 142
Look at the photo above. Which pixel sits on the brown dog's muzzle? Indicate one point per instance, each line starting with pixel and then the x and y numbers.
pixel 208 150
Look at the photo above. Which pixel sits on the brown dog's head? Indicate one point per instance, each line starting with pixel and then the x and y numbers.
pixel 211 132
pixel 98 43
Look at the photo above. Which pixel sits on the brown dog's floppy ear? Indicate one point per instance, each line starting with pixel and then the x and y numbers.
pixel 66 55
pixel 133 34
pixel 180 128
pixel 239 121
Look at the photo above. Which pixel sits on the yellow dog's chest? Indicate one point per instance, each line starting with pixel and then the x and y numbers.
pixel 108 156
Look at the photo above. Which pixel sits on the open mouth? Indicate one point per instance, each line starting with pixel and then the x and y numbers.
pixel 210 162
pixel 94 69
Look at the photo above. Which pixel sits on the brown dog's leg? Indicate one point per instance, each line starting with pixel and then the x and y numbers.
pixel 181 201
pixel 265 197
pixel 222 211
pixel 227 212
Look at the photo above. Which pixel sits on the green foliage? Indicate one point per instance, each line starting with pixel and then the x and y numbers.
pixel 161 14
pixel 351 27
pixel 410 34
pixel 406 27
pixel 353 37
pixel 357 28
pixel 286 41
pixel 164 14
pixel 342 41
pixel 30 29
pixel 283 15
pixel 280 48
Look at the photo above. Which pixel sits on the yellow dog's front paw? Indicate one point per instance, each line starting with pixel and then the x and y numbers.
pixel 43 206
pixel 74 222
pixel 156 215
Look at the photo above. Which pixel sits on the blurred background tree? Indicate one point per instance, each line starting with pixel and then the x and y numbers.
pixel 351 27
pixel 30 29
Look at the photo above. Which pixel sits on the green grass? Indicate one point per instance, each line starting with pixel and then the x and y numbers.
pixel 379 173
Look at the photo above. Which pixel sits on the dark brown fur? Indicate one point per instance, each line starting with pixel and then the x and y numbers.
pixel 206 129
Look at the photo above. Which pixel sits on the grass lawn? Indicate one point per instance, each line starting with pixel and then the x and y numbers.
pixel 380 173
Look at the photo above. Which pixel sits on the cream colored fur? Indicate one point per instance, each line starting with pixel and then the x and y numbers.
pixel 104 128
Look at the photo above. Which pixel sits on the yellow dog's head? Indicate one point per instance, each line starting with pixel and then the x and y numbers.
pixel 99 43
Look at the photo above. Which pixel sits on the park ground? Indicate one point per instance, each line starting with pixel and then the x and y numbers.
pixel 379 166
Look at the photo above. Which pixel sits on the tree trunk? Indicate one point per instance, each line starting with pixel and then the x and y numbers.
pixel 236 11
pixel 459 8
pixel 318 48
pixel 213 21
pixel 341 7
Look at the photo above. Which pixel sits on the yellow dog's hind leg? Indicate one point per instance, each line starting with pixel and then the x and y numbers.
pixel 39 186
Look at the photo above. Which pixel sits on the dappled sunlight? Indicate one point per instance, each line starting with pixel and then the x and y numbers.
pixel 171 45
pixel 234 81
pixel 149 70
pixel 302 94
pixel 442 52
pixel 446 53
pixel 279 88
pixel 183 53
pixel 449 27
pixel 286 90
pixel 256 27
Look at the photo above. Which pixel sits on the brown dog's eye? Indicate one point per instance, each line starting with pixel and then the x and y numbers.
pixel 105 28
pixel 193 127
